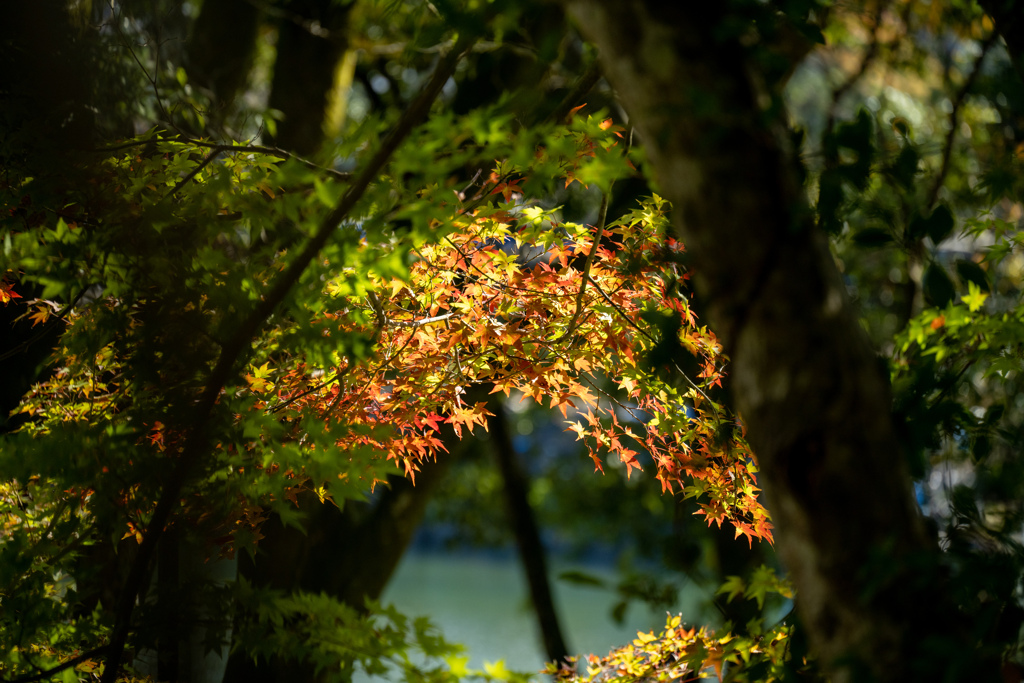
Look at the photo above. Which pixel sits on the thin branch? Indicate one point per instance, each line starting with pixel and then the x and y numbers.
pixel 228 147
pixel 47 327
pixel 583 85
pixel 647 334
pixel 151 78
pixel 865 63
pixel 50 673
pixel 422 321
pixel 384 321
pixel 196 442
pixel 272 151
pixel 603 216
pixel 207 160
pixel 954 114
pixel 311 390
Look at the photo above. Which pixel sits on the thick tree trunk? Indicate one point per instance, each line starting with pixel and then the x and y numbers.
pixel 222 46
pixel 806 383
pixel 311 40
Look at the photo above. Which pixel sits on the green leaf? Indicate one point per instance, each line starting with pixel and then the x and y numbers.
pixel 938 288
pixel 733 586
pixel 940 223
pixel 580 578
pixel 971 272
pixel 872 237
pixel 497 669
pixel 937 226
pixel 975 298
pixel 905 167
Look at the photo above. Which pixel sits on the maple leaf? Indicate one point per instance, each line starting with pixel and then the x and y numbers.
pixel 974 299
pixel 628 458
pixel 573 111
pixel 468 416
pixel 577 428
pixel 733 587
pixel 746 530
pixel 41 315
pixel 156 435
pixel 257 380
pixel 7 293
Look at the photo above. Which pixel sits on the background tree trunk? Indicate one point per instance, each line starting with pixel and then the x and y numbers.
pixel 810 391
pixel 527 532
pixel 311 40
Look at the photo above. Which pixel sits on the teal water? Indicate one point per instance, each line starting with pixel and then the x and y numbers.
pixel 483 603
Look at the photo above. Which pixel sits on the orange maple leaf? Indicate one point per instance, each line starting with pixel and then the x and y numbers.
pixel 7 293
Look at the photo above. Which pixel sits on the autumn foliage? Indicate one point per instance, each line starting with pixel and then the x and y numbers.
pixel 385 350
pixel 584 318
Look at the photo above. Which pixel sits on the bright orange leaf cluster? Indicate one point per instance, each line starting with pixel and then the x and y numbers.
pixel 506 302
pixel 593 321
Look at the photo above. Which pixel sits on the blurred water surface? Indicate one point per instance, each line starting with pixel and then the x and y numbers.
pixel 482 601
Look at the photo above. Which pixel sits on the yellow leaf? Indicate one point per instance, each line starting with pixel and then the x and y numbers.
pixel 497 669
pixel 41 315
pixel 975 298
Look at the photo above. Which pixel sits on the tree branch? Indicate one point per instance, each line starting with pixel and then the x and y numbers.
pixel 50 673
pixel 865 63
pixel 954 114
pixel 272 151
pixel 603 216
pixel 196 441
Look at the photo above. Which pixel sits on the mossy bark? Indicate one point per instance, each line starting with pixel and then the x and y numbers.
pixel 808 387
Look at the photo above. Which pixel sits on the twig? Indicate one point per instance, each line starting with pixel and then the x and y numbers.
pixel 196 442
pixel 152 79
pixel 651 338
pixel 207 160
pixel 234 147
pixel 865 63
pixel 49 673
pixel 603 216
pixel 583 85
pixel 46 329
pixel 302 394
pixel 954 114
pixel 272 151
pixel 422 321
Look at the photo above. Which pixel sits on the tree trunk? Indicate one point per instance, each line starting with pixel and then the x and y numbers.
pixel 350 555
pixel 222 47
pixel 1009 19
pixel 806 383
pixel 527 533
pixel 311 40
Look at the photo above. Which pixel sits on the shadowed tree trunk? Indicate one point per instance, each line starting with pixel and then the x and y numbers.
pixel 527 533
pixel 222 46
pixel 348 554
pixel 310 41
pixel 1009 19
pixel 805 380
